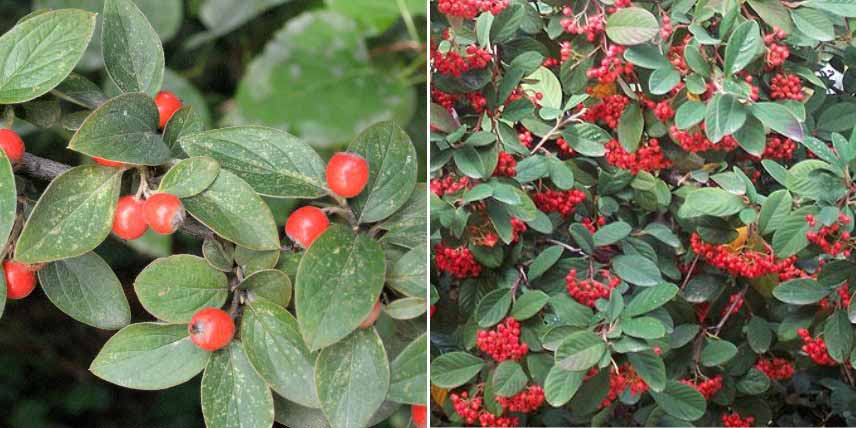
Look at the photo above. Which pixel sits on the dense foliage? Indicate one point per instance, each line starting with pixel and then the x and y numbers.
pixel 322 325
pixel 641 212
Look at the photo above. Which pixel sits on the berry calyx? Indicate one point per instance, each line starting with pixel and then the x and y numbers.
pixel 211 329
pixel 129 222
pixel 167 103
pixel 163 212
pixel 12 144
pixel 347 174
pixel 105 162
pixel 20 279
pixel 419 414
pixel 370 320
pixel 306 224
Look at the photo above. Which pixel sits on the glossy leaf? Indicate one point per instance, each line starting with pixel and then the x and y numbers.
pixel 190 177
pixel 173 289
pixel 409 373
pixel 133 54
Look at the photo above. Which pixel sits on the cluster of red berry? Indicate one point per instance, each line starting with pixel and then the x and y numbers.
pixel 526 401
pixel 736 421
pixel 565 149
pixel 163 212
pixel 449 184
pixel 621 379
pixel 779 147
pixel 775 368
pixel 815 348
pixel 663 110
pixel 735 302
pixel 459 261
pixel 843 293
pixel 503 342
pixel 469 9
pixel 608 111
pixel 708 387
pixel 470 410
pixel 696 141
pixel 830 239
pixel 648 157
pixel 562 201
pixel 454 64
pixel 786 87
pixel 518 226
pixel 592 27
pixel 776 53
pixel 612 66
pixel 746 263
pixel 593 225
pixel 505 166
pixel 589 290
pixel 525 137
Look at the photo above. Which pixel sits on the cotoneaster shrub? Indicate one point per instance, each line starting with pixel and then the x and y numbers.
pixel 322 325
pixel 641 212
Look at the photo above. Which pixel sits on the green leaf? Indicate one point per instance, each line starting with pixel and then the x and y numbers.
pixel 744 45
pixel 133 54
pixel 650 298
pixel 40 52
pixel 8 199
pixel 217 255
pixel 717 352
pixel 773 12
pixel 838 334
pixel 650 367
pixel 544 261
pixel 637 270
pixel 352 378
pixel 149 356
pixel 681 401
pixel 290 85
pixel 779 118
pixel 544 81
pixel 755 382
pixel 800 291
pixel 185 121
pixel 124 129
pixel 752 137
pixel 454 369
pixel 837 7
pixel 561 385
pixel 392 171
pixel 406 308
pixel 275 348
pixel 493 307
pixel 689 114
pixel 173 289
pixel 759 335
pixel 273 162
pixel 3 290
pixel 190 177
pixel 407 275
pixel 646 56
pixel 406 228
pixel 580 351
pixel 73 216
pixel 269 285
pixel 611 233
pixel 375 16
pixel 233 394
pixel 630 127
pixel 232 210
pixel 251 261
pixel 528 304
pixel 813 23
pixel 338 283
pixel 508 379
pixel 631 26
pixel 724 116
pixel 409 373
pixel 87 290
pixel 774 210
pixel 663 234
pixel 790 237
pixel 643 328
pixel 712 201
pixel 663 79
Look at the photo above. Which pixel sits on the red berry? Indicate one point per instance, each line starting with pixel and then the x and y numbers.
pixel 129 222
pixel 419 414
pixel 460 261
pixel 163 213
pixel 168 103
pixel 370 320
pixel 305 224
pixel 105 162
pixel 12 144
pixel 20 280
pixel 347 174
pixel 503 343
pixel 211 329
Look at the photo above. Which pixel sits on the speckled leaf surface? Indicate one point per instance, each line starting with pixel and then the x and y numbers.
pixel 234 211
pixel 292 414
pixel 149 356
pixel 275 348
pixel 73 216
pixel 86 289
pixel 315 79
pixel 392 171
pixel 8 198
pixel 338 282
pixel 40 52
pixel 407 275
pixel 185 121
pixel 406 228
pixel 218 255
pixel 273 162
pixel 176 287
pixel 233 394
pixel 124 129
pixel 251 261
pixel 268 285
pixel 132 49
pixel 410 373
pixel 81 91
pixel 352 378
pixel 190 177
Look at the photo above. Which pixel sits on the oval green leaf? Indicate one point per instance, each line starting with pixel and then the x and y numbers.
pixel 173 289
pixel 190 177
pixel 132 49
pixel 233 394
